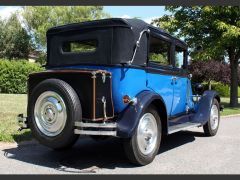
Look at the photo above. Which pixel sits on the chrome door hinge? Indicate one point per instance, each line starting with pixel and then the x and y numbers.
pixel 103 77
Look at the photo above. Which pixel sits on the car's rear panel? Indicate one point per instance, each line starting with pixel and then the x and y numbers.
pixel 94 89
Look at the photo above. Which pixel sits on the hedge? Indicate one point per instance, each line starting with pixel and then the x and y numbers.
pixel 14 75
pixel 223 90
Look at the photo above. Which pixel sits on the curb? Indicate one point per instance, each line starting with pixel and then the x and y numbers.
pixel 234 115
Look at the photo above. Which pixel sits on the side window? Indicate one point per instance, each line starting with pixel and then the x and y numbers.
pixel 159 51
pixel 179 57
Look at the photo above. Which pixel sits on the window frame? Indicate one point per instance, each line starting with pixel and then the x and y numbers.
pixel 185 56
pixel 162 38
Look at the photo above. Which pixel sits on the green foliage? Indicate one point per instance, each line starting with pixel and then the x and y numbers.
pixel 215 28
pixel 158 58
pixel 222 89
pixel 40 19
pixel 42 58
pixel 14 39
pixel 14 75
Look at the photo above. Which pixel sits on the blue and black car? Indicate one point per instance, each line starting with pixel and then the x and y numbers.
pixel 116 77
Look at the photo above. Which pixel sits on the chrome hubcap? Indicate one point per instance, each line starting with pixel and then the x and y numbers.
pixel 214 117
pixel 147 134
pixel 50 113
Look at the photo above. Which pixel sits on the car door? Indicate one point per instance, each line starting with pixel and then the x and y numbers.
pixel 181 82
pixel 159 77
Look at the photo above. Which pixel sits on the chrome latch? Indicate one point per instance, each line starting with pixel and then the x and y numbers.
pixel 93 74
pixel 103 77
pixel 104 107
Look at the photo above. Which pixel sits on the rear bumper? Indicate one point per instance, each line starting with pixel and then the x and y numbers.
pixel 100 129
pixel 22 122
pixel 93 128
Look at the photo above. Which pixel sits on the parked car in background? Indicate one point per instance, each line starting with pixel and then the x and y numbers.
pixel 116 77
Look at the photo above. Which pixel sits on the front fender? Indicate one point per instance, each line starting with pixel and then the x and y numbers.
pixel 204 107
pixel 128 119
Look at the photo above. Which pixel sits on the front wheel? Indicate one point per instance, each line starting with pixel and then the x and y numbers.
pixel 143 146
pixel 211 127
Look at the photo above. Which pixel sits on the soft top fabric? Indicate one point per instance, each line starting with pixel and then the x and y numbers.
pixel 116 42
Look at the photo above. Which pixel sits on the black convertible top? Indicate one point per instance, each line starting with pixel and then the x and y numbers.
pixel 116 36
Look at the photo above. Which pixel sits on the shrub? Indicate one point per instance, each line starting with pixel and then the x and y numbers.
pixel 222 89
pixel 14 75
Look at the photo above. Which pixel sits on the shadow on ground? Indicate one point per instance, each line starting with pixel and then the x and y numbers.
pixel 26 135
pixel 88 155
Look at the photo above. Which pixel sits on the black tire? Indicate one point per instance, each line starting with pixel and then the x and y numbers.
pixel 66 138
pixel 131 147
pixel 208 131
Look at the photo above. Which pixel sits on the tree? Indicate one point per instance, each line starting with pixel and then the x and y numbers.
pixel 209 71
pixel 39 19
pixel 14 39
pixel 215 28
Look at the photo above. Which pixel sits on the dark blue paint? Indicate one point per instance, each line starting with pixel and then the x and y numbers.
pixel 203 107
pixel 128 120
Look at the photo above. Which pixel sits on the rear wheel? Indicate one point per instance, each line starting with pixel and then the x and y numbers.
pixel 211 127
pixel 143 146
pixel 53 109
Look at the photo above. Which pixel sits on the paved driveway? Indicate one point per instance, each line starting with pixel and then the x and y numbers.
pixel 185 152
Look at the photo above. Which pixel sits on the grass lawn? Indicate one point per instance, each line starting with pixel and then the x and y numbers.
pixel 13 104
pixel 10 106
pixel 228 110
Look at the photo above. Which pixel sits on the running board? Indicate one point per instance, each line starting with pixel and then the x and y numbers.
pixel 184 126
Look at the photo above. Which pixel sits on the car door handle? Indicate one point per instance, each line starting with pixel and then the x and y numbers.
pixel 174 79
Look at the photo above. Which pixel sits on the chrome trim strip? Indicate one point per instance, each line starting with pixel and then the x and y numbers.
pixel 138 44
pixel 101 133
pixel 97 125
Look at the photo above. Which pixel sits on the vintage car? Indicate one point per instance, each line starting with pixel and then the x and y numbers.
pixel 116 77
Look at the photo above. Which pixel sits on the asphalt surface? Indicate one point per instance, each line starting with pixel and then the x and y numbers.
pixel 187 152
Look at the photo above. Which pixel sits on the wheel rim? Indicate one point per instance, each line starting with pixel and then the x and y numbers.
pixel 147 134
pixel 50 113
pixel 214 117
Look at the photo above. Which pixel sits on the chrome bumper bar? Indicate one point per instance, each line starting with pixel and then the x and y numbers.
pixel 22 121
pixel 101 129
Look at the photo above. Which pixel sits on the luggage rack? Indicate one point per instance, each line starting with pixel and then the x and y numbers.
pixel 101 129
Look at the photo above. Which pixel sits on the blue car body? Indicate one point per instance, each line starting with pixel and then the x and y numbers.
pixel 126 49
pixel 116 77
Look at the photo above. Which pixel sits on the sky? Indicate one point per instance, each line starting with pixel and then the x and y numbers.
pixel 146 13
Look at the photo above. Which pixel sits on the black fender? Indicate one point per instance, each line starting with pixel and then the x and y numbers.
pixel 128 120
pixel 204 106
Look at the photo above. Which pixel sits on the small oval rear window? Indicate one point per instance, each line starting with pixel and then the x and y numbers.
pixel 85 46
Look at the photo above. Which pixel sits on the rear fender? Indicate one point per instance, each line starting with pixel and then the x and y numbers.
pixel 128 120
pixel 204 107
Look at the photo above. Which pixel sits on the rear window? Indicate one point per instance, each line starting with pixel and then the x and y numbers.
pixel 84 46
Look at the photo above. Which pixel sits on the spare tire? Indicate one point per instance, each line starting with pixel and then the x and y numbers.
pixel 53 108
